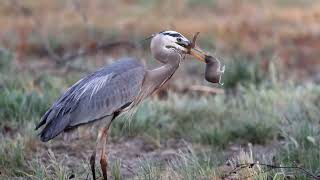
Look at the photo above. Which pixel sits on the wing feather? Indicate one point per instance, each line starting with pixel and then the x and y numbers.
pixel 98 95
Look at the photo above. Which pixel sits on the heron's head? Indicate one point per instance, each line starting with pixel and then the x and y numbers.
pixel 167 43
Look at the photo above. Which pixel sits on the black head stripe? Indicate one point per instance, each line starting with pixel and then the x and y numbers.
pixel 172 34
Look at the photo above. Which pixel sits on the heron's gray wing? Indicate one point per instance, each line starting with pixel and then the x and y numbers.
pixel 98 95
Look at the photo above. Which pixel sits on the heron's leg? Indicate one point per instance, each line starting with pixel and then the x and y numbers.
pixel 104 156
pixel 93 156
pixel 92 164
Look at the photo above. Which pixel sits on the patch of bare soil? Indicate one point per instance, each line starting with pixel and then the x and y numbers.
pixel 131 152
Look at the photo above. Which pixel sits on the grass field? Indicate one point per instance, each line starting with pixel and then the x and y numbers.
pixel 267 112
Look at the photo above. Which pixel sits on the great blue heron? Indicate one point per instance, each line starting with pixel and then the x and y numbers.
pixel 106 93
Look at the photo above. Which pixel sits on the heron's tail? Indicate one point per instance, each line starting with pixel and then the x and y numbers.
pixel 54 125
pixel 43 119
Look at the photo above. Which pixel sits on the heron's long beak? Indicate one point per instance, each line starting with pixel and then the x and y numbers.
pixel 195 51
pixel 198 54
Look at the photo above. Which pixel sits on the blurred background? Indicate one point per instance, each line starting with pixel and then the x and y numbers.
pixel 266 111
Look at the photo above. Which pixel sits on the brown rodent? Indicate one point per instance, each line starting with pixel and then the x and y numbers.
pixel 213 70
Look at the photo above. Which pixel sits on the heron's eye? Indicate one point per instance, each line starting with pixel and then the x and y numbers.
pixel 179 39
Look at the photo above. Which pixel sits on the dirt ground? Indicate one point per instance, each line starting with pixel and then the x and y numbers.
pixel 131 152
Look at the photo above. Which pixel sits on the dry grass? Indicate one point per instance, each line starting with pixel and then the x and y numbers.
pixel 261 116
pixel 182 137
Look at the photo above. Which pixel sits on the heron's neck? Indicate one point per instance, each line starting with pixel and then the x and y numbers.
pixel 155 78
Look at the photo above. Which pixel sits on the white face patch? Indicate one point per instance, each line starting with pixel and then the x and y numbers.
pixel 172 38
